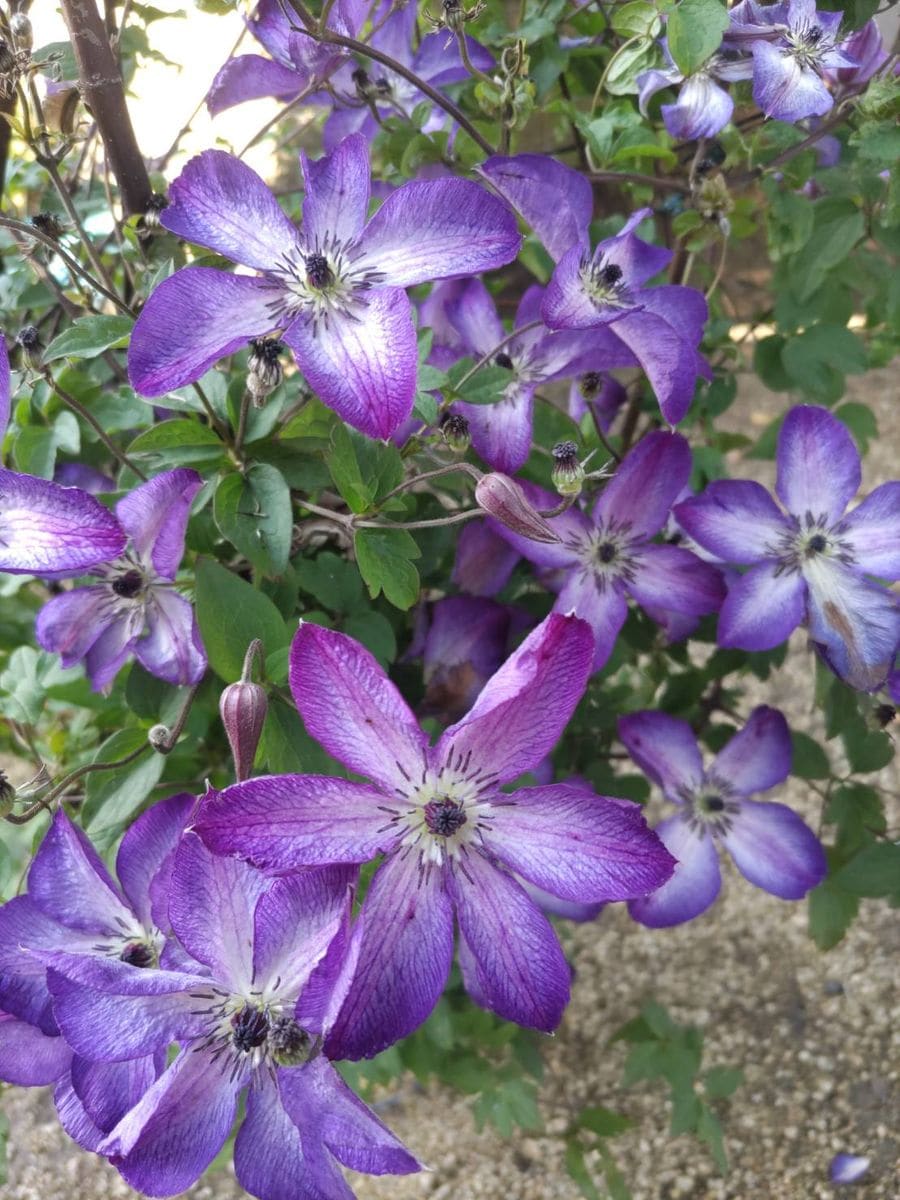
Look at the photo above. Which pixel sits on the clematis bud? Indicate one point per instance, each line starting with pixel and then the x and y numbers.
pixel 455 432
pixel 7 795
pixel 243 707
pixel 23 35
pixel 568 470
pixel 30 341
pixel 504 500
pixel 264 373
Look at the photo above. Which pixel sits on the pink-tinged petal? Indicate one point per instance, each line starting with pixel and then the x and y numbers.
pixel 855 624
pixel 166 1142
pixel 69 882
pixel 405 931
pixel 516 964
pixel 155 517
pixel 872 531
pixel 295 923
pixel 735 519
pixel 473 315
pixel 211 906
pixel 28 1057
pixel 110 1011
pixel 554 200
pixel 577 845
pixel 775 850
pixel 604 608
pixel 363 365
pixel 194 318
pixel 669 360
pixel 219 202
pixel 762 608
pixel 758 757
pixel 147 844
pixel 46 528
pixel 674 578
pixel 349 705
pixel 501 432
pixel 438 229
pixel 285 822
pixel 818 464
pixel 249 77
pixel 665 749
pixel 172 649
pixel 566 302
pixel 522 710
pixel 646 483
pixel 108 1090
pixel 337 193
pixel 4 386
pixel 70 623
pixel 783 88
pixel 694 885
pixel 484 561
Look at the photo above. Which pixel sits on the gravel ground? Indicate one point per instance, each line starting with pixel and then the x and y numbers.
pixel 815 1034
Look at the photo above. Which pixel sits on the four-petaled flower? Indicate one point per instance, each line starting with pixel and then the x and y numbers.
pixel 450 835
pixel 769 843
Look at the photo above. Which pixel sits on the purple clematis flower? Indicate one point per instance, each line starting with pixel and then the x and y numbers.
pixel 484 561
pixel 333 288
pixel 866 48
pixel 603 559
pixel 135 609
pixel 810 565
pixel 660 327
pixel 265 965
pixel 74 905
pixel 449 834
pixel 703 108
pixel 770 845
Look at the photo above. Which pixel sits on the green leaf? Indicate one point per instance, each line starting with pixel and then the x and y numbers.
pixel 867 749
pixel 89 336
pixel 694 32
pixel 383 557
pixel 333 581
pixel 345 470
pixel 808 357
pixel 180 442
pixel 253 511
pixel 831 912
pixel 231 613
pixel 486 386
pixel 875 871
pixel 809 759
pixel 709 1130
pixel 288 749
pixel 113 797
pixel 578 1171
pixel 858 813
pixel 426 408
pixel 376 634
pixel 839 225
pixel 860 420
pixel 719 1082
pixel 637 19
pixel 603 1121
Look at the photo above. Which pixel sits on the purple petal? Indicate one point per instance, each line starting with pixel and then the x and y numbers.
pixel 439 64
pixel 783 88
pixel 171 1136
pixel 28 1057
pixel 775 850
pixel 501 432
pixel 69 882
pixel 438 229
pixel 146 846
pixel 762 608
pixel 248 77
pixel 848 1168
pixel 554 200
pixel 604 609
pixel 735 519
pixel 26 932
pixel 73 1117
pixel 818 464
pixel 758 757
pixel 702 109
pixel 194 318
pixel 71 622
pixel 155 516
pixel 351 707
pixel 645 485
pixel 46 528
pixel 484 561
pixel 665 749
pixel 337 193
pixel 108 1090
pixel 285 822
pixel 669 361
pixel 219 202
pixel 473 316
pixel 522 710
pixel 674 578
pixel 567 304
pixel 695 883
pixel 113 647
pixel 172 649
pixel 873 532
pixel 405 931
pixel 363 365
pixel 856 624
pixel 517 965
pixel 577 845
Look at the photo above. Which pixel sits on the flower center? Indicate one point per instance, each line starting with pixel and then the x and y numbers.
pixel 129 585
pixel 319 274
pixel 249 1028
pixel 809 541
pixel 808 44
pixel 443 817
pixel 604 283
pixel 138 954
pixel 503 360
pixel 711 807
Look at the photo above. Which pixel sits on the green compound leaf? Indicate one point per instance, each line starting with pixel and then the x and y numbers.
pixel 383 557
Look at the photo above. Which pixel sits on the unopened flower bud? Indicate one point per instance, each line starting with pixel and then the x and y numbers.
pixel 454 14
pixel 160 738
pixel 504 500
pixel 29 340
pixel 243 707
pixel 455 432
pixel 7 795
pixel 264 370
pixel 23 35
pixel 568 470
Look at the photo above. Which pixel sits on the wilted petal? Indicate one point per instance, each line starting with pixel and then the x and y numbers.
pixel 518 967
pixel 735 519
pixel 46 528
pixel 171 649
pixel 672 577
pixel 873 532
pixel 405 931
pixel 337 193
pixel 363 365
pixel 646 483
pixel 522 710
pixel 554 200
pixel 155 516
pixel 694 885
pixel 758 757
pixel 147 844
pixel 818 464
pixel 69 882
pixel 762 608
pixel 194 318
pixel 577 845
pixel 248 77
pixel 665 749
pixel 28 1057
pixel 856 624
pixel 219 202
pixel 438 229
pixel 775 850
